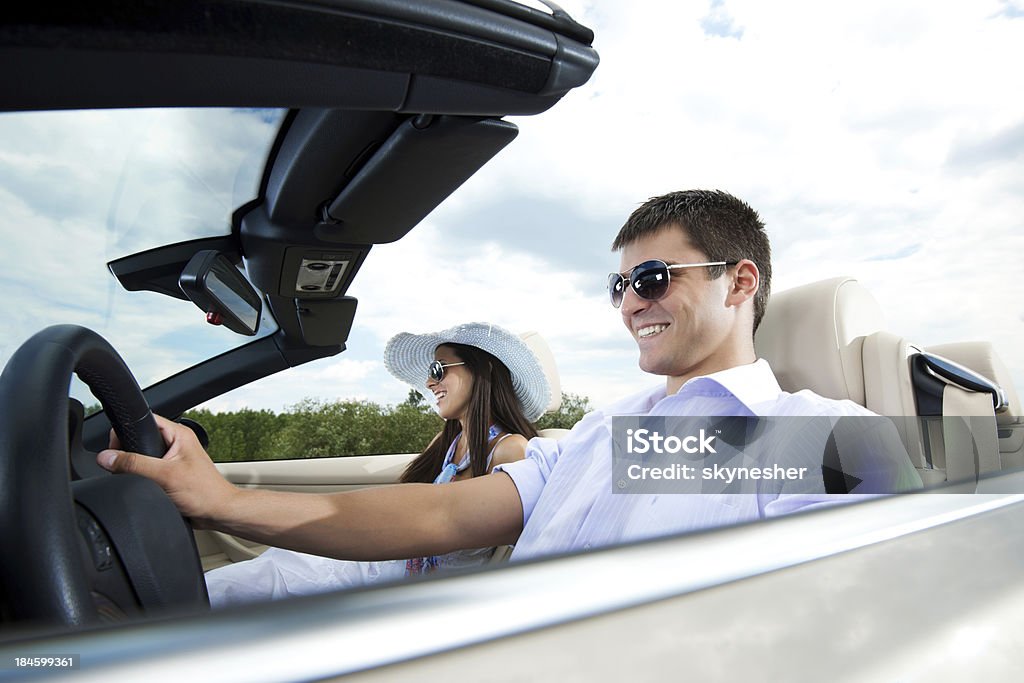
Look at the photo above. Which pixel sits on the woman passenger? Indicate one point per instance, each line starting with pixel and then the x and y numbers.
pixel 489 387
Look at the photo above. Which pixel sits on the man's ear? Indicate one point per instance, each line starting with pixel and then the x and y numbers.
pixel 745 282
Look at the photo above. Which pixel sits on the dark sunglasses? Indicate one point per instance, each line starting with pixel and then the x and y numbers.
pixel 650 279
pixel 436 369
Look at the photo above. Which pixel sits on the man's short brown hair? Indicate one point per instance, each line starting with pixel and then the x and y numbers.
pixel 720 225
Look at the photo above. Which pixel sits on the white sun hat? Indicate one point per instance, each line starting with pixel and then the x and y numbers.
pixel 407 357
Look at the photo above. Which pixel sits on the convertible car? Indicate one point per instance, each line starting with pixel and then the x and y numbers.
pixel 253 158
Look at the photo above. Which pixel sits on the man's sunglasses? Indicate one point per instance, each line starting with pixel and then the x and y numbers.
pixel 650 279
pixel 436 369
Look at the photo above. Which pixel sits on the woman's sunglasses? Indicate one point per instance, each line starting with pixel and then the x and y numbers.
pixel 436 369
pixel 650 279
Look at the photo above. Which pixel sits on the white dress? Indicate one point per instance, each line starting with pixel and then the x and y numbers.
pixel 279 573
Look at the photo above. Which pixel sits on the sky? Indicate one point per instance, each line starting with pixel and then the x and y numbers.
pixel 880 140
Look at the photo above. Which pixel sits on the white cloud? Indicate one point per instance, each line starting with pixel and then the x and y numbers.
pixel 330 379
pixel 849 126
pixel 78 189
pixel 877 139
pixel 401 291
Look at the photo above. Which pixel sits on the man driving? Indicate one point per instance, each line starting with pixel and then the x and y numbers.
pixel 692 287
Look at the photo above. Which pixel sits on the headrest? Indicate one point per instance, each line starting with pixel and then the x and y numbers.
pixel 981 357
pixel 812 336
pixel 543 353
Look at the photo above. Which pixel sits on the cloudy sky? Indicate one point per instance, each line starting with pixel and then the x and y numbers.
pixel 882 140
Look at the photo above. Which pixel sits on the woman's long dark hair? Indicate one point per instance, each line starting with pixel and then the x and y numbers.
pixel 492 401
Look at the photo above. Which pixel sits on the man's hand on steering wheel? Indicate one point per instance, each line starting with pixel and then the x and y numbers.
pixel 185 472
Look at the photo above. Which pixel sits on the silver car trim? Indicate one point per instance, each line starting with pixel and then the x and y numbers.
pixel 323 636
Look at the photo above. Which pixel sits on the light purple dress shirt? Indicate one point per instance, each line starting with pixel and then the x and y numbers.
pixel 566 485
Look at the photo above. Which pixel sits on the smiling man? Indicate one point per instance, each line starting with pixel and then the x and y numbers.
pixel 687 317
pixel 692 287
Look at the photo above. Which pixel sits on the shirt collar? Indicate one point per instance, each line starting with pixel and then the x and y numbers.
pixel 751 384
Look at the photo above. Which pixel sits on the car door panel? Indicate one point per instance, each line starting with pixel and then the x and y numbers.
pixel 307 475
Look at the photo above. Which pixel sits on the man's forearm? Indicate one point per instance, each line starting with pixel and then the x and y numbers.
pixel 383 523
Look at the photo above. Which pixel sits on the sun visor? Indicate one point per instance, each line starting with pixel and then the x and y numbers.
pixel 425 160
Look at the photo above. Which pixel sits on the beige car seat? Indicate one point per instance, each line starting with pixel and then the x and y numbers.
pixel 543 353
pixel 829 337
pixel 980 357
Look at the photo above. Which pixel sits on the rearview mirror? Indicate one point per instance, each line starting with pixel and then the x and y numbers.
pixel 220 290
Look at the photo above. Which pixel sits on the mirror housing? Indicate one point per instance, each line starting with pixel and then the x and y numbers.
pixel 220 290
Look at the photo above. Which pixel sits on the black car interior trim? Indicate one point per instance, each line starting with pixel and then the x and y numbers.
pixel 325 322
pixel 157 270
pixel 423 166
pixel 930 374
pixel 216 376
pixel 250 53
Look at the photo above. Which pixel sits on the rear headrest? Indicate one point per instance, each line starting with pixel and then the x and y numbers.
pixel 541 349
pixel 812 336
pixel 981 357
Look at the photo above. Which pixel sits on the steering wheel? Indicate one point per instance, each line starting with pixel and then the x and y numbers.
pixel 101 547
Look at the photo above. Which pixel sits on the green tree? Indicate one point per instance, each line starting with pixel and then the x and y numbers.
pixel 414 399
pixel 319 429
pixel 316 429
pixel 571 411
pixel 245 434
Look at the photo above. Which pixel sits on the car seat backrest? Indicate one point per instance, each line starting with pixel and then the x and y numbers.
pixel 828 337
pixel 542 351
pixel 889 391
pixel 812 336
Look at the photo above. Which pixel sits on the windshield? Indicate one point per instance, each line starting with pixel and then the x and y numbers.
pixel 81 188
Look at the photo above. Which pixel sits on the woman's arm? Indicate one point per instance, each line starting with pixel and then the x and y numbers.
pixel 390 522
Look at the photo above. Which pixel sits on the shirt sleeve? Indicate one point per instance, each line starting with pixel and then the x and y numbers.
pixel 531 474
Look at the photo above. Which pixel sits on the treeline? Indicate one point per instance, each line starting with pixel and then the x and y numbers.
pixel 316 429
